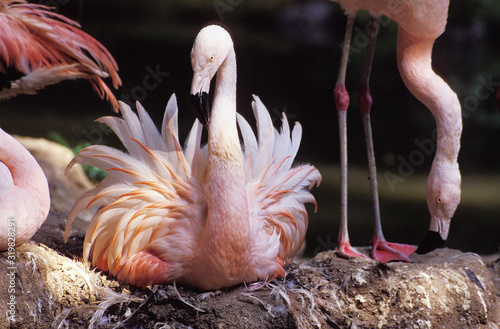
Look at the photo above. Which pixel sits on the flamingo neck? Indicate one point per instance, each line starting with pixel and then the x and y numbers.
pixel 227 226
pixel 414 61
pixel 223 132
pixel 24 191
pixel 25 172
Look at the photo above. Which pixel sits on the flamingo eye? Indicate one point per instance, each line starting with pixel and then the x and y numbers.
pixel 439 200
pixel 211 58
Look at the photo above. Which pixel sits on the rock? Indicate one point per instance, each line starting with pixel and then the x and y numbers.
pixel 444 289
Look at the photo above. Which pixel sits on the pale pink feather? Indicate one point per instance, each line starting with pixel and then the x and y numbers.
pixel 47 47
pixel 152 205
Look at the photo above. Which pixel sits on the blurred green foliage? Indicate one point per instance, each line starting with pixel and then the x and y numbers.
pixel 93 173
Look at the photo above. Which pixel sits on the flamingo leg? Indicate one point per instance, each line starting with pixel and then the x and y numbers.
pixel 382 250
pixel 342 103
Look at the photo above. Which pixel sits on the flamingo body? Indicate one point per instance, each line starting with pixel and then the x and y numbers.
pixel 24 193
pixel 208 217
pixel 423 19
pixel 419 24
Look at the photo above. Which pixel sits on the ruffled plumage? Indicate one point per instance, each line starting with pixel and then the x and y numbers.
pixel 152 203
pixel 39 47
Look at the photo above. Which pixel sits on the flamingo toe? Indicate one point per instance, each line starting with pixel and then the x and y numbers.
pixel 388 251
pixel 347 251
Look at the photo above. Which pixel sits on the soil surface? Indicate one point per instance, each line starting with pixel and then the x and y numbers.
pixel 443 289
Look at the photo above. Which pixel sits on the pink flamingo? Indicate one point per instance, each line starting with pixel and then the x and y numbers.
pixel 24 193
pixel 420 23
pixel 38 48
pixel 208 217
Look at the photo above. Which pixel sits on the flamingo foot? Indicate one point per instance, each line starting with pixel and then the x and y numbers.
pixel 347 251
pixel 280 272
pixel 384 251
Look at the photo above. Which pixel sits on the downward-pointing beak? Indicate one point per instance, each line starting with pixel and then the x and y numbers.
pixel 436 236
pixel 200 106
pixel 199 97
pixel 431 241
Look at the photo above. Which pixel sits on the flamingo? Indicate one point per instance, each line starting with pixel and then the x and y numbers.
pixel 38 48
pixel 24 193
pixel 207 217
pixel 419 24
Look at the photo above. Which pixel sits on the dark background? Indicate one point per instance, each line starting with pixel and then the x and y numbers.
pixel 288 54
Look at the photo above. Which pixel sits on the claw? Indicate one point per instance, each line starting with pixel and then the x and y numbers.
pixel 280 272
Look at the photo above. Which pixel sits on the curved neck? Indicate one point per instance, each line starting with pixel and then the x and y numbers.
pixel 223 117
pixel 414 62
pixel 23 170
pixel 227 217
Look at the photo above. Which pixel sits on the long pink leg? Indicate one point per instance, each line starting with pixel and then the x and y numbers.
pixel 382 250
pixel 342 103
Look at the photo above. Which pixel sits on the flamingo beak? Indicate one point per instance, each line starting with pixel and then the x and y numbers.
pixel 431 241
pixel 199 98
pixel 199 104
pixel 436 236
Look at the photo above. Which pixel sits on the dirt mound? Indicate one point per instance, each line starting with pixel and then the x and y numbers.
pixel 444 289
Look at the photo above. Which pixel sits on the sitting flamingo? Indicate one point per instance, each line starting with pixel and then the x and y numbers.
pixel 38 48
pixel 208 217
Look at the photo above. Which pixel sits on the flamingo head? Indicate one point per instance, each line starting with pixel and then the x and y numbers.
pixel 443 197
pixel 210 50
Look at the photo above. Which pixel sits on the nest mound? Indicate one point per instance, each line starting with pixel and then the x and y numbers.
pixel 444 289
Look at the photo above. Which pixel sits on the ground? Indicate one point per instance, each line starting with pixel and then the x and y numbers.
pixel 444 289
pixel 53 288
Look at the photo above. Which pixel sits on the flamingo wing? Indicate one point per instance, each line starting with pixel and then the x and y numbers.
pixel 39 47
pixel 277 191
pixel 151 207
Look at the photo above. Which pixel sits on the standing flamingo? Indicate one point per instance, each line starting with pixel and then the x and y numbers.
pixel 420 23
pixel 38 48
pixel 208 217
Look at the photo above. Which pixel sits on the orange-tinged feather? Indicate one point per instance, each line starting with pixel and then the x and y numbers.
pixel 32 37
pixel 127 171
pixel 106 157
pixel 287 214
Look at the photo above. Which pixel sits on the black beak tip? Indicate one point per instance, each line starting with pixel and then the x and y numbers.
pixel 199 104
pixel 431 241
